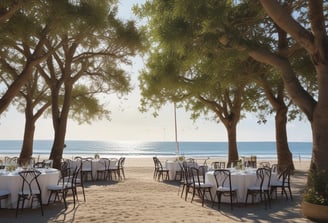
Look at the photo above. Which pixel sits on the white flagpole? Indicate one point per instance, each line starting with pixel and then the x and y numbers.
pixel 176 130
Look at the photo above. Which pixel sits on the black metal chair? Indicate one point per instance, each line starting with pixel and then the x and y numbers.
pixel 161 171
pixel 30 189
pixel 262 187
pixel 156 167
pixel 232 163
pixel 65 183
pixel 224 186
pixel 218 165
pixel 121 162
pixel 283 183
pixel 186 181
pixel 199 185
pixel 103 169
pixel 86 170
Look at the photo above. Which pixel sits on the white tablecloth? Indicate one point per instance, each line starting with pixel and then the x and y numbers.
pixel 12 182
pixel 172 166
pixel 240 178
pixel 96 165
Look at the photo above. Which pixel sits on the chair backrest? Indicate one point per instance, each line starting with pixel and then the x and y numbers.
pixel 156 165
pixel 218 165
pixel 232 163
pixel 222 178
pixel 265 164
pixel 194 172
pixel 104 163
pixel 263 176
pixel 30 181
pixel 47 163
pixel 65 169
pixel 284 175
pixel 253 162
pixel 121 162
pixel 159 164
pixel 198 174
pixel 274 168
pixel 38 165
pixel 11 160
pixel 86 164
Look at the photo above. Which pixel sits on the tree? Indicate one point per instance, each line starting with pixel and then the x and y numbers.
pixel 208 85
pixel 187 29
pixel 9 8
pixel 88 64
pixel 24 30
pixel 315 43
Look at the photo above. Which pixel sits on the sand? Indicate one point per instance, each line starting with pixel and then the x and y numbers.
pixel 139 198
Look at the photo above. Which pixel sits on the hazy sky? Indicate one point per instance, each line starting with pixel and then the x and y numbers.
pixel 128 124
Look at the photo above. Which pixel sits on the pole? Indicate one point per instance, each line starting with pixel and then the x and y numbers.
pixel 176 130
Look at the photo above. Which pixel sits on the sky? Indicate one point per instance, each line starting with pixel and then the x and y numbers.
pixel 129 124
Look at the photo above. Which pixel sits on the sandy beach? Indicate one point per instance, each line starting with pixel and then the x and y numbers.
pixel 139 198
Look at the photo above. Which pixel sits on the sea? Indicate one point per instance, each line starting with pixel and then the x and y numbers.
pixel 263 150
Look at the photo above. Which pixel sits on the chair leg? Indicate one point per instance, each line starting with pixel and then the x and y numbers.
pixel 123 174
pixel 187 191
pixel 40 201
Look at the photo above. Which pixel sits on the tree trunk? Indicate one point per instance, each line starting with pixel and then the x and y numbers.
pixel 27 147
pixel 320 139
pixel 60 123
pixel 58 144
pixel 232 142
pixel 285 157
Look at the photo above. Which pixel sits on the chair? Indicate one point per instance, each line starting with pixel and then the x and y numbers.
pixel 76 176
pixel 282 182
pixel 121 173
pixel 113 168
pixel 156 168
pixel 11 160
pixel 199 185
pixel 186 181
pixel 262 186
pixel 102 170
pixel 47 163
pixel 232 163
pixel 253 162
pixel 161 171
pixel 64 184
pixel 38 165
pixel 4 194
pixel 86 170
pixel 218 165
pixel 30 189
pixel 264 164
pixel 178 173
pixel 224 187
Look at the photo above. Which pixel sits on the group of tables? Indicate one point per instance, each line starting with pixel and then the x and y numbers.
pixel 11 181
pixel 240 178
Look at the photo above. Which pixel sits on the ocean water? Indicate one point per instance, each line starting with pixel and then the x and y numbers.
pixel 263 150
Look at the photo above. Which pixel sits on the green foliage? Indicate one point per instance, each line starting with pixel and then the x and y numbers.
pixel 86 108
pixel 317 192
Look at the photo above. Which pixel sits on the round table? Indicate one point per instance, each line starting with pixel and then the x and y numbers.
pixel 12 182
pixel 240 178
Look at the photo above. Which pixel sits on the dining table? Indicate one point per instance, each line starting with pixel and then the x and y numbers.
pixel 95 165
pixel 174 167
pixel 240 178
pixel 12 182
